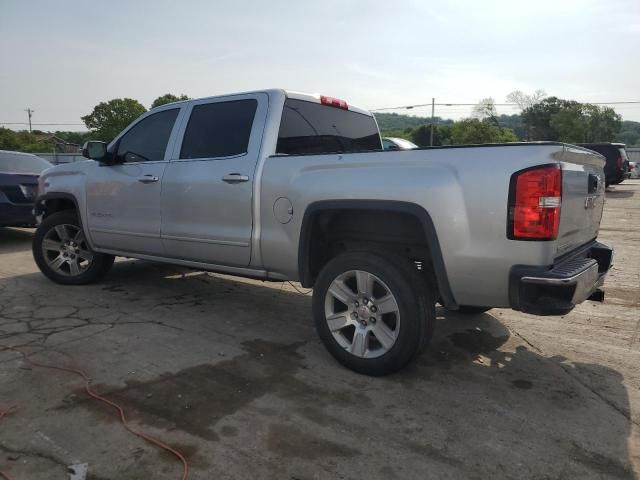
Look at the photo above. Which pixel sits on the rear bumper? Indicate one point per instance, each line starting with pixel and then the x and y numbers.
pixel 558 288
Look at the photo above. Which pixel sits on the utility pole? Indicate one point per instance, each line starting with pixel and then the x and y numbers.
pixel 29 113
pixel 433 110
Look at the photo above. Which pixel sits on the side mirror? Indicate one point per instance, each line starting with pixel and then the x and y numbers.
pixel 94 150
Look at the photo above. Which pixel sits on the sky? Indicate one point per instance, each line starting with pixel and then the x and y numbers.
pixel 61 58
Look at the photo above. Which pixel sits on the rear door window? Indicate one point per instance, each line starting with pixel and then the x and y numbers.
pixel 147 140
pixel 308 127
pixel 220 129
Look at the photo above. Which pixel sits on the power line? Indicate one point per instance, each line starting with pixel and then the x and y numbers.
pixel 409 107
pixel 431 104
pixel 25 123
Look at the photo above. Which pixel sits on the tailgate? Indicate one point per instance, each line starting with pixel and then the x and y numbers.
pixel 582 197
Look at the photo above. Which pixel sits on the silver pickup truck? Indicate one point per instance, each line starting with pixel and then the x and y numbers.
pixel 280 186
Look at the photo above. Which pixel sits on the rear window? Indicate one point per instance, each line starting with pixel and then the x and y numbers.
pixel 308 127
pixel 220 129
pixel 16 163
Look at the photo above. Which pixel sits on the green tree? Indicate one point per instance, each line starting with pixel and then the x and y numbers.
pixel 537 117
pixel 421 136
pixel 570 125
pixel 22 141
pixel 110 118
pixel 74 137
pixel 604 123
pixel 629 133
pixel 396 121
pixel 472 130
pixel 168 98
pixel 581 123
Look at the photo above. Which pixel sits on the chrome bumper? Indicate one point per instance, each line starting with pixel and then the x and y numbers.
pixel 557 289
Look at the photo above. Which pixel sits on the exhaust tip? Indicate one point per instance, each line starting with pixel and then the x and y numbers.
pixel 597 296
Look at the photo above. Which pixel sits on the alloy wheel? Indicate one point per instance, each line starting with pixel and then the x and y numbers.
pixel 66 251
pixel 362 314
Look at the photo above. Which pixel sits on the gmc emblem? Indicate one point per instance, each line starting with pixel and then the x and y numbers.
pixel 590 202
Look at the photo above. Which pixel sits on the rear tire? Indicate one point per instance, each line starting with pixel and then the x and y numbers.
pixel 373 311
pixel 63 254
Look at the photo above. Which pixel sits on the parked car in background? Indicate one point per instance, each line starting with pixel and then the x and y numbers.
pixel 19 174
pixel 393 143
pixel 285 186
pixel 634 169
pixel 617 166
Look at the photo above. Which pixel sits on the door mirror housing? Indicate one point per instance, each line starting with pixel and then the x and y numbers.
pixel 94 150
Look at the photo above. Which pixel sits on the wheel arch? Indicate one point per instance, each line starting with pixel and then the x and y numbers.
pixel 49 203
pixel 316 210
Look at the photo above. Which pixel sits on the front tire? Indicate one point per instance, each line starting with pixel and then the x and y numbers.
pixel 373 312
pixel 62 253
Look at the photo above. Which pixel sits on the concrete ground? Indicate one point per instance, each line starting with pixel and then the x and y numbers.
pixel 231 373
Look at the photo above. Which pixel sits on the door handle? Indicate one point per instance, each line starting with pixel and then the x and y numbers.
pixel 235 178
pixel 148 179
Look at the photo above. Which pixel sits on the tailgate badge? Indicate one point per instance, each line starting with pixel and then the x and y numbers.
pixel 590 202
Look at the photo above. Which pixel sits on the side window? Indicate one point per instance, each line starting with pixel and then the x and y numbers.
pixel 147 140
pixel 386 144
pixel 220 129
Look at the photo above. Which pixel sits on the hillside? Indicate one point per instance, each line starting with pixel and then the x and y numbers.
pixel 392 123
pixel 395 121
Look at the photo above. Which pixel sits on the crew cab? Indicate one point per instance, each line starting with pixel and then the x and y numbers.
pixel 286 186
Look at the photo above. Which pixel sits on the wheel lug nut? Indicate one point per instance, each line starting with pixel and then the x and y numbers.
pixel 354 315
pixel 357 304
pixel 365 301
pixel 372 319
pixel 374 309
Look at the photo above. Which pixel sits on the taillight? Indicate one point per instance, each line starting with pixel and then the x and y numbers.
pixel 620 163
pixel 333 102
pixel 534 203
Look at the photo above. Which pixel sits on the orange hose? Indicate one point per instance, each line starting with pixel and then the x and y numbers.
pixel 96 396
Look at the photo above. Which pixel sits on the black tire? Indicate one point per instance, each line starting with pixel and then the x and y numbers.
pixel 415 302
pixel 472 310
pixel 97 268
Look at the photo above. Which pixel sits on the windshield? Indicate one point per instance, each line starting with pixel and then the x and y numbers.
pixel 11 162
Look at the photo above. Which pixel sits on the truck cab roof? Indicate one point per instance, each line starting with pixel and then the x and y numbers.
pixel 276 92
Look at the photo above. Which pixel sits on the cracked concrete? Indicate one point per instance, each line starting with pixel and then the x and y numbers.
pixel 230 372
